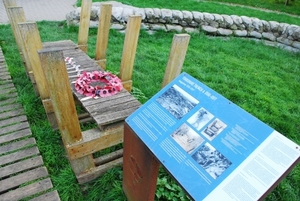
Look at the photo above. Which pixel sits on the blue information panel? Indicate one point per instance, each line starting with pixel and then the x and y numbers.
pixel 212 147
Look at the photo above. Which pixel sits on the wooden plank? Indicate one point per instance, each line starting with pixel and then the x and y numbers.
pixel 17 15
pixel 113 105
pixel 176 58
pixel 95 172
pixel 10 114
pixel 50 196
pixel 28 190
pixel 9 100
pixel 5 91
pixel 104 140
pixel 108 157
pixel 12 121
pixel 7 85
pixel 115 115
pixel 32 42
pixel 18 155
pixel 17 145
pixel 103 33
pixel 85 15
pixel 59 45
pixel 63 104
pixel 13 128
pixel 21 166
pixel 15 135
pixel 19 179
pixel 129 48
pixel 13 106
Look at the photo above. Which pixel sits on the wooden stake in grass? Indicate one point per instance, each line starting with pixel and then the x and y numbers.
pixel 102 35
pixel 129 50
pixel 84 25
pixel 177 55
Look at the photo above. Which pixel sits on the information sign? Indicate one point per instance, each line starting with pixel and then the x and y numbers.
pixel 212 147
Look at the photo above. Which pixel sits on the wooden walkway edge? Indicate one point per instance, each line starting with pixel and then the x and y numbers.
pixel 22 171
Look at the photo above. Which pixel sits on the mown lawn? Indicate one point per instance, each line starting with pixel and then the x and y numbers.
pixel 263 80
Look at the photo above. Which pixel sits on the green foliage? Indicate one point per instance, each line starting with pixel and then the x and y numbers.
pixel 168 189
pixel 263 80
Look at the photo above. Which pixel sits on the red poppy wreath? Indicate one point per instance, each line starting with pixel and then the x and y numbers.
pixel 98 83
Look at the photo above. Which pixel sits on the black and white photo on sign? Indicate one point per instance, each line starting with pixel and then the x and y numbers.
pixel 200 118
pixel 214 129
pixel 187 138
pixel 211 160
pixel 177 102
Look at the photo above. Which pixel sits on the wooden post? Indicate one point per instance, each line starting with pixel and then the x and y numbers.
pixel 54 68
pixel 102 35
pixel 84 25
pixel 176 58
pixel 30 36
pixel 140 168
pixel 17 15
pixel 129 50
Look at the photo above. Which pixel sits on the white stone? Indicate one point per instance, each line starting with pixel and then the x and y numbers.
pixel 240 33
pixel 198 17
pixel 284 41
pixel 209 29
pixel 117 26
pixel 266 26
pixel 187 16
pixel 158 27
pixel 208 17
pixel 255 34
pixel 227 21
pixel 224 32
pixel 191 30
pixel 140 11
pixel 117 13
pixel 149 13
pixel 296 44
pixel 257 24
pixel 218 18
pixel 126 13
pixel 177 15
pixel 176 28
pixel 269 36
pixel 157 12
pixel 166 14
pixel 274 26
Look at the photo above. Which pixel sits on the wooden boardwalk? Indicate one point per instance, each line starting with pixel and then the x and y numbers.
pixel 22 171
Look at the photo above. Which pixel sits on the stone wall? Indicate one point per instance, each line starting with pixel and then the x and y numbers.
pixel 154 19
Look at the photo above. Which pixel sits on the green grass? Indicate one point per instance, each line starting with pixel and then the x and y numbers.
pixel 213 7
pixel 276 5
pixel 263 80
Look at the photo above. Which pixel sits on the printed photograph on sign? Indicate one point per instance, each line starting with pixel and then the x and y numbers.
pixel 211 160
pixel 177 102
pixel 200 118
pixel 214 129
pixel 187 138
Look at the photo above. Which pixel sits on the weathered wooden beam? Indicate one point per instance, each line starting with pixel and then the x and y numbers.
pixel 16 15
pixel 63 104
pixel 97 171
pixel 84 25
pixel 176 58
pixel 103 33
pixel 96 140
pixel 129 49
pixel 32 43
pixel 54 68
